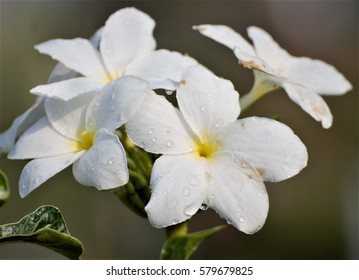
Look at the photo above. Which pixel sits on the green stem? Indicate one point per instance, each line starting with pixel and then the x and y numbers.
pixel 177 230
pixel 260 88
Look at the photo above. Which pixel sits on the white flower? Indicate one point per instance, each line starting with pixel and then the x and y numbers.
pixel 304 79
pixel 81 132
pixel 37 111
pixel 211 159
pixel 127 47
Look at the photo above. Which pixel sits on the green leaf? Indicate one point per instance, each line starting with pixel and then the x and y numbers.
pixel 4 188
pixel 182 247
pixel 46 227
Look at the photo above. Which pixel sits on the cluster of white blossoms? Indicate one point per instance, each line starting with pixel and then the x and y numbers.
pixel 209 157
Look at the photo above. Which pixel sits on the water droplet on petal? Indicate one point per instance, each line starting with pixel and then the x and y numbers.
pixel 203 107
pixel 169 92
pixel 186 191
pixel 150 131
pixel 153 139
pixel 285 167
pixel 193 180
pixel 218 123
pixel 164 192
pixel 244 164
pixel 110 161
pixel 175 202
pixel 172 179
pixel 117 171
pixel 37 180
pixel 169 143
pixel 204 207
pixel 212 196
pixel 190 210
pixel 242 219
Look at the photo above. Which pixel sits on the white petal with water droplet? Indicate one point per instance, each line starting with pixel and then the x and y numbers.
pixel 185 180
pixel 200 86
pixel 37 171
pixel 234 188
pixel 104 165
pixel 249 138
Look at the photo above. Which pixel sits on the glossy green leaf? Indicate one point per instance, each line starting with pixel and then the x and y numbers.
pixel 46 227
pixel 182 247
pixel 4 188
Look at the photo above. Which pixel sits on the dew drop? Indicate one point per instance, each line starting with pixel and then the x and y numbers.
pixel 169 92
pixel 110 161
pixel 204 207
pixel 190 210
pixel 212 196
pixel 175 202
pixel 203 107
pixel 93 169
pixel 175 221
pixel 164 192
pixel 153 139
pixel 150 131
pixel 242 219
pixel 172 179
pixel 37 180
pixel 186 191
pixel 218 123
pixel 169 143
pixel 285 167
pixel 193 180
pixel 117 171
pixel 113 96
pixel 244 164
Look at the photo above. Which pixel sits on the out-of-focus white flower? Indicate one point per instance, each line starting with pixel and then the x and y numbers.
pixel 304 79
pixel 81 132
pixel 127 47
pixel 211 159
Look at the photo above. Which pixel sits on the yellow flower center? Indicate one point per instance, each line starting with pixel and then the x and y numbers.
pixel 111 77
pixel 207 148
pixel 86 141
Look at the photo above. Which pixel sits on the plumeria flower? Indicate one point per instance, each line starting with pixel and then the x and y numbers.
pixel 211 159
pixel 81 132
pixel 304 79
pixel 127 47
pixel 37 110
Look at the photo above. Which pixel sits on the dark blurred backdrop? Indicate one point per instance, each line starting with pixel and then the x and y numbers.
pixel 312 216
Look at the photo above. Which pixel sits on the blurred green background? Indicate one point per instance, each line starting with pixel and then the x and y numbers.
pixel 312 216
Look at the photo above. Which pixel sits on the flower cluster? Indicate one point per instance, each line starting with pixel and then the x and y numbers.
pixel 100 101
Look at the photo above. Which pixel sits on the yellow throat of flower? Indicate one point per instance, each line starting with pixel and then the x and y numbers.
pixel 87 139
pixel 207 148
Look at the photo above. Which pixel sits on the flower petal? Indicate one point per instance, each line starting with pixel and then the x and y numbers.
pixel 127 35
pixel 68 89
pixel 311 103
pixel 169 66
pixel 179 188
pixel 254 62
pixel 104 165
pixel 269 146
pixel 316 75
pixel 225 36
pixel 68 117
pixel 237 193
pixel 158 127
pixel 20 124
pixel 38 171
pixel 60 73
pixel 266 48
pixel 41 140
pixel 77 54
pixel 118 101
pixel 207 102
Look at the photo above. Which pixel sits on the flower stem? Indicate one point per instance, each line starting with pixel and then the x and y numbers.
pixel 177 230
pixel 260 88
